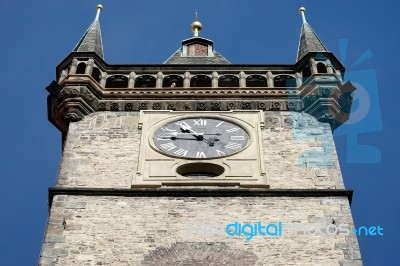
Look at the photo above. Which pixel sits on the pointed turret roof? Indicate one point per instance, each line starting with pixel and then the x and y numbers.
pixel 91 41
pixel 196 50
pixel 309 41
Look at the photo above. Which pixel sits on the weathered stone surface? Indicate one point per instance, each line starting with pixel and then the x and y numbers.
pixel 102 151
pixel 350 263
pixel 299 152
pixel 155 230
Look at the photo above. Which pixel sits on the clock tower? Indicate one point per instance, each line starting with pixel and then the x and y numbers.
pixel 198 161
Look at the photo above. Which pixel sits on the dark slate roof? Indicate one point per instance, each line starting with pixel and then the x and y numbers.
pixel 177 58
pixel 91 40
pixel 309 42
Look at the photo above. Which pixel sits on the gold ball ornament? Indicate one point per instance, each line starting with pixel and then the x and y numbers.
pixel 196 25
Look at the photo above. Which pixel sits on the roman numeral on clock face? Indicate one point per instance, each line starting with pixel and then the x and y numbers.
pixel 200 122
pixel 220 123
pixel 237 137
pixel 168 146
pixel 232 129
pixel 220 153
pixel 200 154
pixel 233 146
pixel 167 129
pixel 182 123
pixel 181 152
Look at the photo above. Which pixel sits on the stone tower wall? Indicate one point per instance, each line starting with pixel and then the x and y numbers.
pixel 101 151
pixel 100 230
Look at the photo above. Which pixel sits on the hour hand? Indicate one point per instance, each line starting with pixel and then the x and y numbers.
pixel 175 137
pixel 211 141
pixel 168 137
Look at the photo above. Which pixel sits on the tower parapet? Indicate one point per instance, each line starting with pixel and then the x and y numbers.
pixel 87 84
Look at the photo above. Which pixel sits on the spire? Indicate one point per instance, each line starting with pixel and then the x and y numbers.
pixel 309 41
pixel 91 40
pixel 196 26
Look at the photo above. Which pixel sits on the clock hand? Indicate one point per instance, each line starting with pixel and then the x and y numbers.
pixel 186 133
pixel 211 141
pixel 184 128
pixel 175 137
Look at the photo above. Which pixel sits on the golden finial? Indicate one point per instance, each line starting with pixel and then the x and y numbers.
pixel 196 25
pixel 99 9
pixel 302 11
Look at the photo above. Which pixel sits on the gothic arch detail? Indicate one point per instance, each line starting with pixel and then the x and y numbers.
pixel 321 68
pixel 80 69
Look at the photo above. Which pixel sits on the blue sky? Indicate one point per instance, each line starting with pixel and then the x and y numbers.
pixel 36 35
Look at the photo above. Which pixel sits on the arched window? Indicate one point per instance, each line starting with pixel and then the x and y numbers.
pixel 80 69
pixel 321 68
pixel 117 81
pixel 200 81
pixel 172 81
pixel 228 81
pixel 306 72
pixel 256 81
pixel 283 81
pixel 145 81
pixel 96 74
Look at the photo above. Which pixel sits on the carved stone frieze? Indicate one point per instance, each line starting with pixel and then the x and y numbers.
pixel 201 106
pixel 323 96
pixel 142 105
pixel 262 106
pixel 171 106
pixel 275 106
pixel 157 106
pixel 128 106
pixel 216 106
pixel 114 106
pixel 231 105
pixel 247 105
pixel 73 115
pixel 102 106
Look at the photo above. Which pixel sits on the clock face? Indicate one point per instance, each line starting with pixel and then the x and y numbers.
pixel 200 138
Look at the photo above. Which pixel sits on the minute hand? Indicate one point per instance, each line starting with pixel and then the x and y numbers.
pixel 194 133
pixel 184 128
pixel 188 138
pixel 174 137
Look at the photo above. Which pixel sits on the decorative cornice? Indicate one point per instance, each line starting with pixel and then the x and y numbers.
pixel 77 95
pixel 200 192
